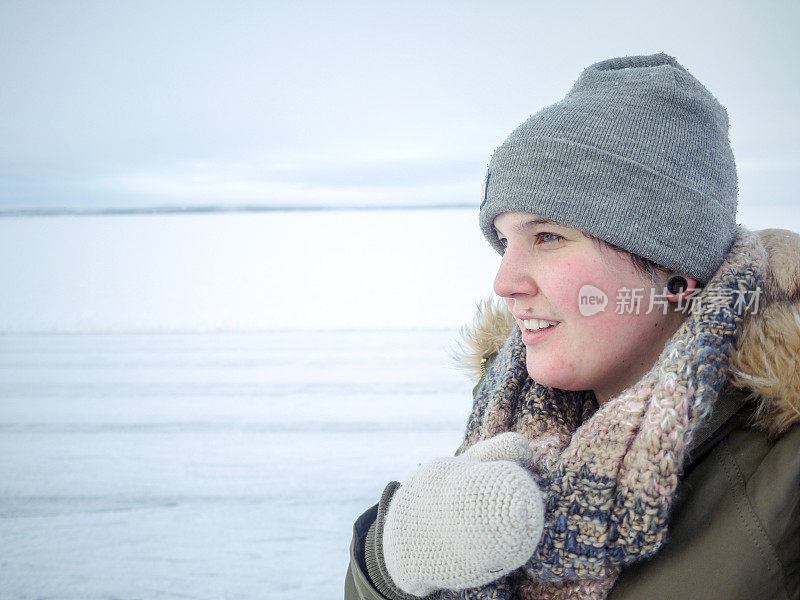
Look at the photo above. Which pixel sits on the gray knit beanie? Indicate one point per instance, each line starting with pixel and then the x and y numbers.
pixel 636 154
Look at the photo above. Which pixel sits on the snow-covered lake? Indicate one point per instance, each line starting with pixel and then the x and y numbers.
pixel 208 465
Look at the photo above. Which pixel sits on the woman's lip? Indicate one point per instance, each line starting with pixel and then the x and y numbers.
pixel 531 337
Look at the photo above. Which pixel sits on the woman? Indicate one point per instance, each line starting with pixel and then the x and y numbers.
pixel 634 433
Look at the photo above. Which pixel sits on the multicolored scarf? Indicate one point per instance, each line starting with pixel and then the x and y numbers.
pixel 610 474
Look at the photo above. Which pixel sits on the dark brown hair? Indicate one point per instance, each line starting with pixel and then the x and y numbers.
pixel 644 266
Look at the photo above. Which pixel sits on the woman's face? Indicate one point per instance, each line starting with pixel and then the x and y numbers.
pixel 554 273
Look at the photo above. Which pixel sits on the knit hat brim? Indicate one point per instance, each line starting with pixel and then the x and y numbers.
pixel 556 176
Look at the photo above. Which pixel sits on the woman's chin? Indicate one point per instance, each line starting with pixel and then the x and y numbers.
pixel 552 378
pixel 545 379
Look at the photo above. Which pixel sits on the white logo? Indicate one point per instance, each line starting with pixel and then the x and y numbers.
pixel 591 300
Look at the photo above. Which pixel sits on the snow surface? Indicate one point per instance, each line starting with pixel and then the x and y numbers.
pixel 331 270
pixel 208 465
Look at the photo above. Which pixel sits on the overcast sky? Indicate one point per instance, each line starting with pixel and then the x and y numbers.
pixel 112 104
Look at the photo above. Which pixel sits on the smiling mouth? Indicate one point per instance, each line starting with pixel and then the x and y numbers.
pixel 538 324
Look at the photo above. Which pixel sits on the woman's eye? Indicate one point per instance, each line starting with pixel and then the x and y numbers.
pixel 547 236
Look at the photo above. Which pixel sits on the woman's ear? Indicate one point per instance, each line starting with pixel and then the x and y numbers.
pixel 680 287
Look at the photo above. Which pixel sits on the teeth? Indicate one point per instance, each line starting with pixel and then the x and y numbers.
pixel 536 324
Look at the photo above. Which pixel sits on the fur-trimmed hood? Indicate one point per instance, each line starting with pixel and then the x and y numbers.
pixel 766 361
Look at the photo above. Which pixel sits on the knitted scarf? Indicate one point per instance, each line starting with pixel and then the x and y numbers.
pixel 610 474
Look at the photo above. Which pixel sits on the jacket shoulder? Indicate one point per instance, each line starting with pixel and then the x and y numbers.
pixel 735 526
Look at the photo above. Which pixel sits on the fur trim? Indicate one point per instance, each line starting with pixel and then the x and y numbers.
pixel 783 248
pixel 491 326
pixel 765 361
pixel 766 364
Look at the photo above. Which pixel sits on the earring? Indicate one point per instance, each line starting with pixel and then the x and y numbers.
pixel 677 284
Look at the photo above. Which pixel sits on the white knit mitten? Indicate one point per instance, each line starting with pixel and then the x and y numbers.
pixel 464 521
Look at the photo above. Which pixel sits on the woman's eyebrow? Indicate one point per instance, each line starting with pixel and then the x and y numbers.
pixel 529 224
pixel 537 221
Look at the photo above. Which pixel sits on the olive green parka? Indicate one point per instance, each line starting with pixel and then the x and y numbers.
pixel 734 530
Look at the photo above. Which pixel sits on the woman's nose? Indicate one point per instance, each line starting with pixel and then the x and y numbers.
pixel 515 275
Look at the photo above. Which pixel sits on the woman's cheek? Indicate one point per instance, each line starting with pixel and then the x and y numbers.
pixel 578 283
